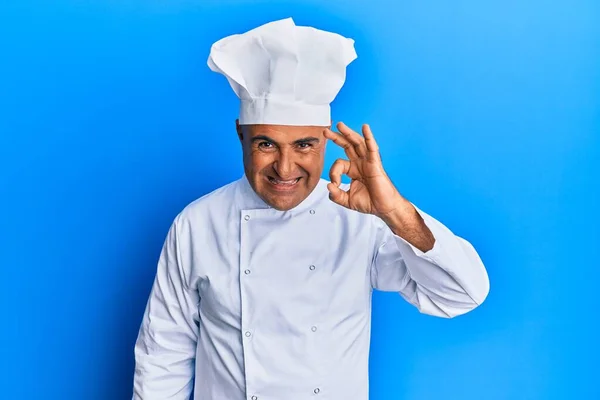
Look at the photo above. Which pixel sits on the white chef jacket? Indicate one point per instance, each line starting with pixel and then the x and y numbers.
pixel 254 303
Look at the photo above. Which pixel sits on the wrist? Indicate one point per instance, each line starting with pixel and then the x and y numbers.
pixel 404 214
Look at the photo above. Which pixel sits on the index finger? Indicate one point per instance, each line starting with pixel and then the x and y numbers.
pixel 342 142
pixel 354 138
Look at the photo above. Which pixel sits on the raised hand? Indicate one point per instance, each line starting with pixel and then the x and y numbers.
pixel 371 190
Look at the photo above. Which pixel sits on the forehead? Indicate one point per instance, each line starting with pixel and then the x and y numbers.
pixel 284 131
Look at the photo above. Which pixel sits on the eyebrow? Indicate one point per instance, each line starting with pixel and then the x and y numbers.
pixel 307 139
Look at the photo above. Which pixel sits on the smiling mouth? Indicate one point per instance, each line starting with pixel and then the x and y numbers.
pixel 288 184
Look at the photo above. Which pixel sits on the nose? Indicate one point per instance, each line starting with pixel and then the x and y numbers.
pixel 284 165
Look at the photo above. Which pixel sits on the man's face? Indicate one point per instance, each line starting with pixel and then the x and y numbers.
pixel 283 163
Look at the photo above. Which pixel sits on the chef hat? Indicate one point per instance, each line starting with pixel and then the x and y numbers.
pixel 284 74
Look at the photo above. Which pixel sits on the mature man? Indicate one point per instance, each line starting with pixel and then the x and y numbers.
pixel 263 288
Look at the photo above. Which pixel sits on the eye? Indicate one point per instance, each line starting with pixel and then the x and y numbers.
pixel 265 145
pixel 304 145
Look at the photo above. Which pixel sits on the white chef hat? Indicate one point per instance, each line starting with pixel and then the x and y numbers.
pixel 284 74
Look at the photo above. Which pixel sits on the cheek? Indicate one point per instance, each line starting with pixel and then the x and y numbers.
pixel 313 161
pixel 259 160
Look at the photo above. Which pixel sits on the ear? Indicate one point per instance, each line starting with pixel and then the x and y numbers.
pixel 239 130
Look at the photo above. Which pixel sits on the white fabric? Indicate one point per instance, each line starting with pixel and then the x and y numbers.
pixel 261 304
pixel 284 74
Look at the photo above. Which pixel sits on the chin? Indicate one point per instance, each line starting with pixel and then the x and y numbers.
pixel 283 205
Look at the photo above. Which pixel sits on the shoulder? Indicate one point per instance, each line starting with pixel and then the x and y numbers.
pixel 208 206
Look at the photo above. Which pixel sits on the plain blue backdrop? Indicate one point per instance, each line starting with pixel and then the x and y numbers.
pixel 487 114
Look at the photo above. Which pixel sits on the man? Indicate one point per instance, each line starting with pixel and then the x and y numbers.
pixel 263 289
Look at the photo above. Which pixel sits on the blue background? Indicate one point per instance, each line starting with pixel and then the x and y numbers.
pixel 487 115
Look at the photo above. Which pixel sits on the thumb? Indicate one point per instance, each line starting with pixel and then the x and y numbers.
pixel 337 195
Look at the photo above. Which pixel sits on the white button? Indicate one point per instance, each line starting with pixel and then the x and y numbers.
pixel 248 334
pixel 314 329
pixel 254 398
pixel 246 217
pixel 247 271
pixel 312 267
pixel 317 390
pixel 312 211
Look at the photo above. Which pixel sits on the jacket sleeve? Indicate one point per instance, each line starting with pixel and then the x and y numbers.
pixel 446 281
pixel 166 344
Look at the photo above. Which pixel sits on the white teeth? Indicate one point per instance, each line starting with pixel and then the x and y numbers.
pixel 275 181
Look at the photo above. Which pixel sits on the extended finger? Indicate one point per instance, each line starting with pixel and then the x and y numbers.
pixel 341 141
pixel 353 137
pixel 371 144
pixel 340 167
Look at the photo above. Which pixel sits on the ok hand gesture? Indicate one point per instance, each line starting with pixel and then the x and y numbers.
pixel 371 190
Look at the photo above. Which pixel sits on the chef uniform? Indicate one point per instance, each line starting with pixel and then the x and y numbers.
pixel 254 303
